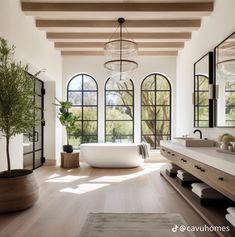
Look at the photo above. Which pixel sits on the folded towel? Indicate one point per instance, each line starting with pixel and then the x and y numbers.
pixel 230 219
pixel 202 186
pixel 173 166
pixel 216 195
pixel 231 210
pixel 166 167
pixel 185 175
pixel 143 150
pixel 191 178
pixel 204 189
pixel 182 172
pixel 146 150
pixel 171 170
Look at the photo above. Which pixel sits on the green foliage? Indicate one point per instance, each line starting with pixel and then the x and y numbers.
pixel 67 118
pixel 201 101
pixel 120 114
pixel 155 106
pixel 119 111
pixel 17 108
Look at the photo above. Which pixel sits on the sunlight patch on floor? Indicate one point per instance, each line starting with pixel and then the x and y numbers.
pixel 103 181
pixel 53 176
pixel 148 168
pixel 83 188
pixel 64 179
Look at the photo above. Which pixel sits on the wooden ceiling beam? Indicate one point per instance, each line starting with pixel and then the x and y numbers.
pixel 173 45
pixel 105 36
pixel 113 24
pixel 100 53
pixel 117 7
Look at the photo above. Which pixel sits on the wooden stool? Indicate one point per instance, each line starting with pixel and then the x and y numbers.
pixel 70 160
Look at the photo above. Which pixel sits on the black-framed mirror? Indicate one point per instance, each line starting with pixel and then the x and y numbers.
pixel 203 103
pixel 225 82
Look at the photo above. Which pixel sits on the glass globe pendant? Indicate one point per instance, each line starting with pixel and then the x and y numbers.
pixel 120 53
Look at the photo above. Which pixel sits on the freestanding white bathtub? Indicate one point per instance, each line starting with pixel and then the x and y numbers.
pixel 111 155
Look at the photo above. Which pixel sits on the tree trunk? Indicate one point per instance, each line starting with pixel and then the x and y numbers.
pixel 8 154
pixel 67 136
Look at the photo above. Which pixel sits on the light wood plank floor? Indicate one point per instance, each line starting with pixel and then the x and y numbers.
pixel 67 196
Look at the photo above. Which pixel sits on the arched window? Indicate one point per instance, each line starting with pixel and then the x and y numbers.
pixel 82 91
pixel 201 101
pixel 155 109
pixel 119 116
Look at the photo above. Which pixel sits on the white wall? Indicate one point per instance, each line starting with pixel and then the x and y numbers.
pixel 33 48
pixel 94 66
pixel 50 129
pixel 215 28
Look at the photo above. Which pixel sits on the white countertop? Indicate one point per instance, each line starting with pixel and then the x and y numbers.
pixel 207 155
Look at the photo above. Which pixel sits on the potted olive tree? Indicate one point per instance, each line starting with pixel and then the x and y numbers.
pixel 18 187
pixel 67 119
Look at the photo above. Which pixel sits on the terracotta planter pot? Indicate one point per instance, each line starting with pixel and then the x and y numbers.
pixel 18 192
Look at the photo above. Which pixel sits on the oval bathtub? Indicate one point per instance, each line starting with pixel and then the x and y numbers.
pixel 111 155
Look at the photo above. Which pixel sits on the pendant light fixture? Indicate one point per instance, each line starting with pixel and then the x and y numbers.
pixel 120 54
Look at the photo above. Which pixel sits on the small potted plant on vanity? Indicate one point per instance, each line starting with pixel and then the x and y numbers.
pixel 67 119
pixel 18 187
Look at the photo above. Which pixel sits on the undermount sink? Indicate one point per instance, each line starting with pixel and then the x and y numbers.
pixel 194 142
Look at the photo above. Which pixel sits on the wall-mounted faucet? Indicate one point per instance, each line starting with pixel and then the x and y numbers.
pixel 200 132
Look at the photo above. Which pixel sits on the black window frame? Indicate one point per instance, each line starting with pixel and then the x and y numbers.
pixel 82 106
pixel 155 120
pixel 33 136
pixel 197 106
pixel 211 102
pixel 118 120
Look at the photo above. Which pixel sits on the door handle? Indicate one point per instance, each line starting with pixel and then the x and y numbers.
pixel 36 135
pixel 30 137
pixel 33 137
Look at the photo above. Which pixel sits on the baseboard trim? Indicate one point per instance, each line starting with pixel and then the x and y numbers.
pixel 50 162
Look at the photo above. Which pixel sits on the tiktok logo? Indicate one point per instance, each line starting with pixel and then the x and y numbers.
pixel 175 228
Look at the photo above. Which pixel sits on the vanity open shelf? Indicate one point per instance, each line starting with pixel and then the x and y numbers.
pixel 209 166
pixel 214 216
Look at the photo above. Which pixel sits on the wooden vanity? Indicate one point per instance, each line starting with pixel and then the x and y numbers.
pixel 211 167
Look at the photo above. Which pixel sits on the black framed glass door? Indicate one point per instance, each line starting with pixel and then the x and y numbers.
pixel 33 141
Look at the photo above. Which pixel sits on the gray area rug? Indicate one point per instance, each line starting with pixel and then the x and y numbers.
pixel 133 225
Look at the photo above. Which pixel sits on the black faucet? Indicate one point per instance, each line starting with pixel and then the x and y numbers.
pixel 197 130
